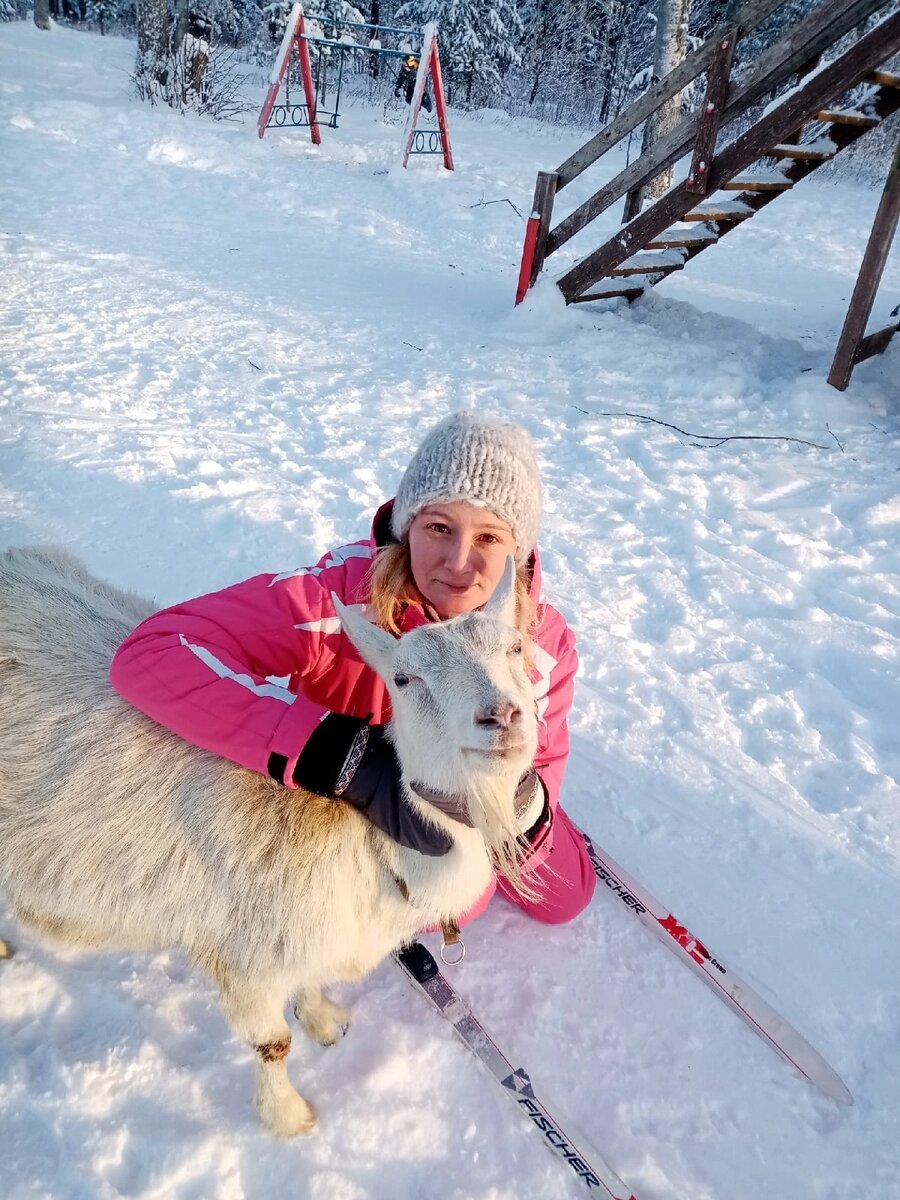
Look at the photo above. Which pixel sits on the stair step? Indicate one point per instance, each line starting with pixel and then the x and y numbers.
pixel 833 117
pixel 757 185
pixel 645 268
pixel 677 239
pixel 642 263
pixel 611 293
pixel 718 212
pixel 803 153
pixel 884 79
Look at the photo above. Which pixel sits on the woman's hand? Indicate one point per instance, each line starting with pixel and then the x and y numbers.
pixel 533 812
pixel 348 759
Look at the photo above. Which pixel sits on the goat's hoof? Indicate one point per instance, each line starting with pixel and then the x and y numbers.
pixel 339 1031
pixel 325 1022
pixel 289 1117
pixel 6 950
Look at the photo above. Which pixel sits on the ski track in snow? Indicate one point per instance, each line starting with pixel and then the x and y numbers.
pixel 217 355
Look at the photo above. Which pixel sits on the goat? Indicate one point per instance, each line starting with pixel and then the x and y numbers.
pixel 115 833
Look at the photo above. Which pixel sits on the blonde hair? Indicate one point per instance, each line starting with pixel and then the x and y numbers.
pixel 392 587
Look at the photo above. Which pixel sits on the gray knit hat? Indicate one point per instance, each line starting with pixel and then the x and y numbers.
pixel 479 459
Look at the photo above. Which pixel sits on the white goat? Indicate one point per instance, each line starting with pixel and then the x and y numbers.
pixel 116 833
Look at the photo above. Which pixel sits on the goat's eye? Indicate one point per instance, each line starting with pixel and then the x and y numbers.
pixel 401 681
pixel 516 648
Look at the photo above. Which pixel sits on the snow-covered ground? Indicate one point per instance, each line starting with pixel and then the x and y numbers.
pixel 217 355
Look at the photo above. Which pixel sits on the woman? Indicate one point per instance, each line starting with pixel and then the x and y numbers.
pixel 205 669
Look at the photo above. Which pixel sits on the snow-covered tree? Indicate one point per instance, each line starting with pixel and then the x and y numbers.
pixel 267 22
pixel 579 57
pixel 226 18
pixel 671 44
pixel 334 13
pixel 479 41
pixel 152 69
pixel 102 13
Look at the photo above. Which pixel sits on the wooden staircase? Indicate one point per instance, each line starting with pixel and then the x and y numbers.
pixel 775 172
pixel 728 181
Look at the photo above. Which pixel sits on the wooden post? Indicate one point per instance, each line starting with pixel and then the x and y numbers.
pixel 536 231
pixel 280 68
pixel 525 266
pixel 306 75
pixel 293 37
pixel 544 193
pixel 883 228
pixel 633 201
pixel 440 106
pixel 429 64
pixel 874 343
pixel 710 116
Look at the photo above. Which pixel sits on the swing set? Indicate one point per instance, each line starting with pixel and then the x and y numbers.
pixel 310 111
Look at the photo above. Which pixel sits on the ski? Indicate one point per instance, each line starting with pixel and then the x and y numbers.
pixel 784 1039
pixel 593 1172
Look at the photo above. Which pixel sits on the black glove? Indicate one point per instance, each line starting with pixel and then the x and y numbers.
pixel 347 758
pixel 536 834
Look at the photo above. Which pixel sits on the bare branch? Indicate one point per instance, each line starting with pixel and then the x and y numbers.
pixel 712 440
pixel 505 200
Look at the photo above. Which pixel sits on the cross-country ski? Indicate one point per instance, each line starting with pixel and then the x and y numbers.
pixel 592 1171
pixel 725 983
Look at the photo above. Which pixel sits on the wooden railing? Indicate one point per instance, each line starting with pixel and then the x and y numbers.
pixel 797 52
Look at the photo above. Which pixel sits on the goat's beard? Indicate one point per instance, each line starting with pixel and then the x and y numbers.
pixel 493 814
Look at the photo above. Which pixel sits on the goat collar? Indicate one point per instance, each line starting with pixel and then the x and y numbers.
pixel 454 807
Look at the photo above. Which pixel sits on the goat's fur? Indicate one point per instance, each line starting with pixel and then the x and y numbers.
pixel 116 833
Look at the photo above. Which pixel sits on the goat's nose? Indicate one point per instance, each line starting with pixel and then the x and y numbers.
pixel 498 716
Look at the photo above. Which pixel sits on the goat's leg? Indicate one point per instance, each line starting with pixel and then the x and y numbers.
pixel 257 1014
pixel 325 1021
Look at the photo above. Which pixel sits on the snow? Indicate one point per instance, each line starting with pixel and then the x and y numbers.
pixel 218 354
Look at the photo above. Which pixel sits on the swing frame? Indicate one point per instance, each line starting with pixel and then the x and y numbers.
pixel 309 113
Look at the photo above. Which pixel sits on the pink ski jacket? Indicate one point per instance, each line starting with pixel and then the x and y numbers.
pixel 248 672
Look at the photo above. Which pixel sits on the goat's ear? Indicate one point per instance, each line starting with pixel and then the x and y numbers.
pixel 376 646
pixel 502 603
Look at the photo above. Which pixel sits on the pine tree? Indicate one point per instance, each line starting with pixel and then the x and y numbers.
pixel 102 13
pixel 269 21
pixel 335 13
pixel 478 39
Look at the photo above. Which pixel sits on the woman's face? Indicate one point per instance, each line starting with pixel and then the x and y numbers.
pixel 458 553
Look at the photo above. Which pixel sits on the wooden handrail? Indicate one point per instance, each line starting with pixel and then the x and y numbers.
pixel 816 33
pixel 709 118
pixel 750 16
pixel 877 46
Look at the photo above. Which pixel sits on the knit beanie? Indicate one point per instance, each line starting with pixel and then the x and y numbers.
pixel 481 460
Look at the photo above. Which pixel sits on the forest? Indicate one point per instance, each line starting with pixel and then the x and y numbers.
pixel 570 61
